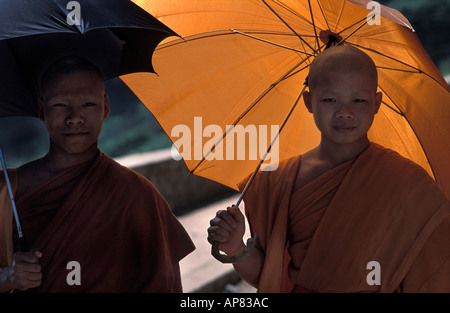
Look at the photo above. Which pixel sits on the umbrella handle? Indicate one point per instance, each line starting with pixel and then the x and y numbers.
pixel 234 258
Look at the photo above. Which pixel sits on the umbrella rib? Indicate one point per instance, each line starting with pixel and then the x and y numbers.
pixel 358 28
pixel 288 26
pixel 406 119
pixel 287 74
pixel 350 26
pixel 314 26
pixel 398 111
pixel 270 146
pixel 274 33
pixel 399 70
pixel 292 11
pixel 323 14
pixel 298 71
pixel 418 140
pixel 283 5
pixel 340 15
pixel 257 100
pixel 417 70
pixel 270 42
pixel 390 107
pixel 389 57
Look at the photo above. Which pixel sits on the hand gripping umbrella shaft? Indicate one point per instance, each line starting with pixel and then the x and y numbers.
pixel 251 241
pixel 23 246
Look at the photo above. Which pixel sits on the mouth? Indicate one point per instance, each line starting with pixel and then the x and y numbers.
pixel 77 134
pixel 344 128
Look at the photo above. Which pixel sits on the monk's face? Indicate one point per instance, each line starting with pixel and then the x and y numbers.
pixel 343 104
pixel 74 107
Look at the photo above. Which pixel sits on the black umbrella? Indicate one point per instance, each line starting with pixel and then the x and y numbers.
pixel 116 35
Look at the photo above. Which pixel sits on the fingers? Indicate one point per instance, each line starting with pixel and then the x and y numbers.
pixel 27 262
pixel 22 267
pixel 28 257
pixel 221 226
pixel 36 252
pixel 27 277
pixel 26 270
pixel 236 213
pixel 215 235
pixel 225 218
pixel 225 225
pixel 25 280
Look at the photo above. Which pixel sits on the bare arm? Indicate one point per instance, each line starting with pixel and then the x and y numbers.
pixel 228 228
pixel 24 273
pixel 250 268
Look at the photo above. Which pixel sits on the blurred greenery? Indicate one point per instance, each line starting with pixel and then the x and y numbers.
pixel 131 128
pixel 430 19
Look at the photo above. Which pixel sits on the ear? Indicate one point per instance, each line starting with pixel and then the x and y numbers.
pixel 307 100
pixel 106 103
pixel 378 98
pixel 41 114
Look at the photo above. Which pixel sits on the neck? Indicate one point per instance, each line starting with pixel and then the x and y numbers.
pixel 337 154
pixel 58 160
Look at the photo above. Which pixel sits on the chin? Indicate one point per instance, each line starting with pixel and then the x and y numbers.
pixel 353 141
pixel 79 149
pixel 348 139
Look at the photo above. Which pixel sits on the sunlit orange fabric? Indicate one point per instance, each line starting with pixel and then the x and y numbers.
pixel 377 207
pixel 243 62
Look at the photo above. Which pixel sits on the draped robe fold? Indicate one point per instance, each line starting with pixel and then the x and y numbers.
pixel 110 220
pixel 377 207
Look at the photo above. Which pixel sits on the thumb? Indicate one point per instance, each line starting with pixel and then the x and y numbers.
pixel 36 252
pixel 236 213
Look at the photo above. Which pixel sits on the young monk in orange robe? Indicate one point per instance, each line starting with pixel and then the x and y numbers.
pixel 77 204
pixel 323 218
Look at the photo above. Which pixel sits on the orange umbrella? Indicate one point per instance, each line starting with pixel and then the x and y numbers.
pixel 243 64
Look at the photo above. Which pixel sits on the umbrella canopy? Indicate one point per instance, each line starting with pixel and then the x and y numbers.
pixel 244 63
pixel 116 35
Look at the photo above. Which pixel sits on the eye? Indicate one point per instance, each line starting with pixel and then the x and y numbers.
pixel 89 104
pixel 359 100
pixel 328 100
pixel 59 105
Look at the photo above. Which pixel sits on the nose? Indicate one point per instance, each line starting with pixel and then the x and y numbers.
pixel 75 118
pixel 345 111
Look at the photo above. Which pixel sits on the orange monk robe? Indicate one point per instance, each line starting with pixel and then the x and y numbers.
pixel 110 220
pixel 378 207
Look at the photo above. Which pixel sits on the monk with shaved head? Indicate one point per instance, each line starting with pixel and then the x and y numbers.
pixel 92 224
pixel 349 215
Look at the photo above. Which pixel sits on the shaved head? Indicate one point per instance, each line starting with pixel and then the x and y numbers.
pixel 342 59
pixel 65 66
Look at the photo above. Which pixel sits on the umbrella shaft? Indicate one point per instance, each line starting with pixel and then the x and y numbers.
pixel 16 217
pixel 256 170
pixel 270 147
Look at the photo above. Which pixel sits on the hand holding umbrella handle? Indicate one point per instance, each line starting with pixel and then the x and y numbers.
pixel 233 258
pixel 251 241
pixel 247 251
